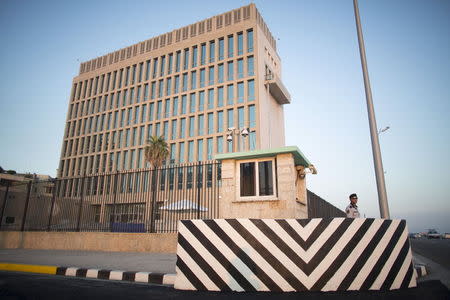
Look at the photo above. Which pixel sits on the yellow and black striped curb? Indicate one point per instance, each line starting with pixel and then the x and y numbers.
pixel 145 277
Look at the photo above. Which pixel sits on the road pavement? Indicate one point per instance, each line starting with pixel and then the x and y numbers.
pixel 15 286
pixel 435 254
pixel 438 250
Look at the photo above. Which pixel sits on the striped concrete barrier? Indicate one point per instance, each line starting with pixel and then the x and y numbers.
pixel 293 255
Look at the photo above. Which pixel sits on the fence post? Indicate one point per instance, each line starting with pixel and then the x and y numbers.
pixel 8 183
pixel 52 205
pixel 152 210
pixel 198 189
pixel 80 209
pixel 27 200
pixel 111 221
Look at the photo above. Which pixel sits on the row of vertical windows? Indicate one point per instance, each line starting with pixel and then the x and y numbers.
pixel 163 88
pixel 165 65
pixel 180 128
pixel 147 112
pixel 190 151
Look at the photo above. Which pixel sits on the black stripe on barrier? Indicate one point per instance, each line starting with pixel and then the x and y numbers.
pixel 266 279
pixel 81 273
pixel 267 255
pixel 203 264
pixel 190 276
pixel 103 274
pixel 214 251
pixel 362 259
pixel 383 257
pixel 61 271
pixel 343 255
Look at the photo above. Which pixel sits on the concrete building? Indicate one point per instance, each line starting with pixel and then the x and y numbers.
pixel 202 87
pixel 24 195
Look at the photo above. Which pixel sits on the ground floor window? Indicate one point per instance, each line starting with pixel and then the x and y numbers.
pixel 126 213
pixel 257 178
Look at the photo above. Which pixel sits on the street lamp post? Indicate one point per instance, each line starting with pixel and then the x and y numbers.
pixel 378 163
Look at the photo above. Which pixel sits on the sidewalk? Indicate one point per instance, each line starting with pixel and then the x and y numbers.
pixel 130 266
pixel 125 261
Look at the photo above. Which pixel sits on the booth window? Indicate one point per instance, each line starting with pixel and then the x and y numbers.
pixel 256 178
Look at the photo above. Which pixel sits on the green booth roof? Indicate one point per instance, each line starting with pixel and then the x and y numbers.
pixel 299 158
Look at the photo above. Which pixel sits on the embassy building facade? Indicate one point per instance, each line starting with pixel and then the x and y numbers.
pixel 209 88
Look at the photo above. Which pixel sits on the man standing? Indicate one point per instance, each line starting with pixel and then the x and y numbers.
pixel 352 208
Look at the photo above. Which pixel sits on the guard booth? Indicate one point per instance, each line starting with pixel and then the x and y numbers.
pixel 264 184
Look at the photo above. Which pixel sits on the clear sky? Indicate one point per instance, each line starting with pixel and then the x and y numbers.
pixel 408 52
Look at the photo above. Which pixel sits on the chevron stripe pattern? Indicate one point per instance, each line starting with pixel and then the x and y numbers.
pixel 293 255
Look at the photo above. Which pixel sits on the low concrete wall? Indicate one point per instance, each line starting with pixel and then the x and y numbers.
pixel 90 241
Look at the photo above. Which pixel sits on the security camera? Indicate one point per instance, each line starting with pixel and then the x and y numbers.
pixel 244 132
pixel 229 138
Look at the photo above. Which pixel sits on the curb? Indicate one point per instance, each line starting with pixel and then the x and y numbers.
pixel 420 270
pixel 144 277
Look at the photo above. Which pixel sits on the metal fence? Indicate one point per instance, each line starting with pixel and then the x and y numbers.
pixel 319 208
pixel 144 200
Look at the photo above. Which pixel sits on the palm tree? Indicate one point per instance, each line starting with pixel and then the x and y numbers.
pixel 156 151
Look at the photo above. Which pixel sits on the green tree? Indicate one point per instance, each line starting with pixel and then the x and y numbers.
pixel 156 151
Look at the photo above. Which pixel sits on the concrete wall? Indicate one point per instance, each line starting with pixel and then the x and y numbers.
pixel 91 241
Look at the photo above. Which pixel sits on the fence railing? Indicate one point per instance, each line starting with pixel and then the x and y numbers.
pixel 147 200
